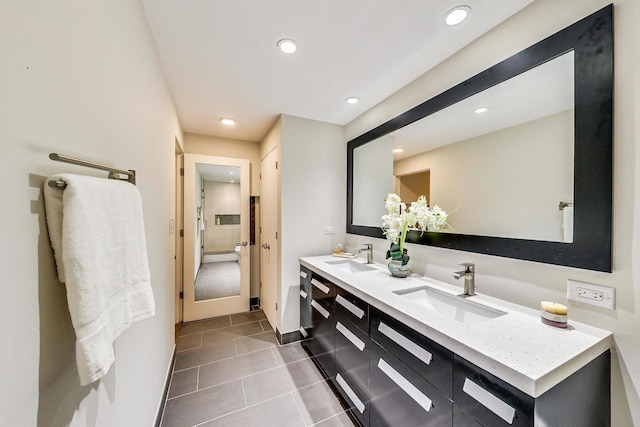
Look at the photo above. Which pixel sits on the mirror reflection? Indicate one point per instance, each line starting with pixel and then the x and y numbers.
pixel 217 223
pixel 502 160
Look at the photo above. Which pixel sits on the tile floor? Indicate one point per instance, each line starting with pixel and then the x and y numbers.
pixel 230 371
pixel 217 279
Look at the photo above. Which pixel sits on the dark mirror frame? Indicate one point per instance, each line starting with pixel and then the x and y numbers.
pixel 591 39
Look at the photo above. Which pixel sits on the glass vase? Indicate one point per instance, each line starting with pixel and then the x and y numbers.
pixel 397 269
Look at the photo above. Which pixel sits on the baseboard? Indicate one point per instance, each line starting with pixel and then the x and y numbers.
pixel 167 383
pixel 287 337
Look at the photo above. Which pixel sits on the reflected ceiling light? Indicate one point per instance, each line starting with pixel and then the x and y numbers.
pixel 227 121
pixel 231 173
pixel 481 110
pixel 352 100
pixel 398 150
pixel 457 15
pixel 288 45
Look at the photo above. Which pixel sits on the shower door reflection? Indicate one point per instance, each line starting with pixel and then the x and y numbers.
pixel 217 269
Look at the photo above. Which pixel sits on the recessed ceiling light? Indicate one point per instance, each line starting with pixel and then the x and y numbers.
pixel 287 45
pixel 352 100
pixel 398 150
pixel 457 15
pixel 227 121
pixel 481 110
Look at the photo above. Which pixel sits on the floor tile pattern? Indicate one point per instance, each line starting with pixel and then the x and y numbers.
pixel 217 279
pixel 230 371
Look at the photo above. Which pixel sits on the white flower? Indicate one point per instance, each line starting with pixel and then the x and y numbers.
pixel 418 216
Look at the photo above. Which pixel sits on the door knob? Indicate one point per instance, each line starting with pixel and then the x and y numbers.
pixel 241 243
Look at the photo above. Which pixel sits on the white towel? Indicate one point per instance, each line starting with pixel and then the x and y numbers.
pixel 567 224
pixel 97 233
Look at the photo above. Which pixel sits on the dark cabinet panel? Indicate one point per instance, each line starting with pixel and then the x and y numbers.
pixel 352 354
pixel 353 309
pixel 427 358
pixel 490 400
pixel 321 333
pixel 305 302
pixel 399 397
pixel 462 419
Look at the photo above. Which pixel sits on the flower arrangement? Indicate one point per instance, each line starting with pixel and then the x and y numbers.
pixel 399 220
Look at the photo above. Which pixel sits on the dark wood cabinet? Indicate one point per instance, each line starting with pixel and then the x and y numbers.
pixel 399 397
pixel 388 374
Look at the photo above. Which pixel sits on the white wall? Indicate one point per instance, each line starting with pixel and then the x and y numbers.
pixel 506 183
pixel 526 282
pixel 82 79
pixel 372 179
pixel 313 196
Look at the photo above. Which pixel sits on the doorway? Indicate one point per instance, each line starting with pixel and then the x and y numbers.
pixel 216 236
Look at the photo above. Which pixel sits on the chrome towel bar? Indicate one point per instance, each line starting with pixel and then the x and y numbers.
pixel 113 172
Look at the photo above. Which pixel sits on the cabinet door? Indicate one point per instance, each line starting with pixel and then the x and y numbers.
pixel 323 324
pixel 490 400
pixel 399 397
pixel 352 354
pixel 428 359
pixel 352 309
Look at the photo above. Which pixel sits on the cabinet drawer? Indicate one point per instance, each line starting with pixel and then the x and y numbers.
pixel 428 359
pixel 353 309
pixel 355 399
pixel 352 354
pixel 399 397
pixel 489 399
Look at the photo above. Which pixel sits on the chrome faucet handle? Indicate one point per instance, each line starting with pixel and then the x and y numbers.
pixel 468 266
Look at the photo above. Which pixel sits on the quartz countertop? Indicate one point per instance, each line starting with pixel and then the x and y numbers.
pixel 516 347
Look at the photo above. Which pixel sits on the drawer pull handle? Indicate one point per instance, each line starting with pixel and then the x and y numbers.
pixel 489 401
pixel 350 336
pixel 357 311
pixel 303 274
pixel 303 294
pixel 320 286
pixel 405 343
pixel 303 332
pixel 320 309
pixel 350 393
pixel 405 385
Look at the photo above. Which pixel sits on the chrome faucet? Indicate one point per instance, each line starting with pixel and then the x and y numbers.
pixel 369 248
pixel 469 275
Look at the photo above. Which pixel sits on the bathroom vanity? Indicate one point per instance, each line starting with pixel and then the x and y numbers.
pixel 414 352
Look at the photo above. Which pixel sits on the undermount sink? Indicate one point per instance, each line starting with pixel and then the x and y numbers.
pixel 350 266
pixel 453 306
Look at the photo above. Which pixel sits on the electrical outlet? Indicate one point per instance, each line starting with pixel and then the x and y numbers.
pixel 589 293
pixel 172 225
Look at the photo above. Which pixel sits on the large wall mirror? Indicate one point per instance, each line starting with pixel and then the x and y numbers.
pixel 522 153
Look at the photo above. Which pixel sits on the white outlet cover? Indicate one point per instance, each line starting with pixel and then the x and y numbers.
pixel 172 225
pixel 609 294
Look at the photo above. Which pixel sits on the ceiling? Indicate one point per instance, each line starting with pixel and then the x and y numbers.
pixel 221 59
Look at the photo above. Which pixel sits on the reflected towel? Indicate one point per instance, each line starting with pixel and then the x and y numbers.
pixel 97 233
pixel 567 224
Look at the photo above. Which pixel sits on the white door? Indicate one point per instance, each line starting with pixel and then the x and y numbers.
pixel 216 235
pixel 269 236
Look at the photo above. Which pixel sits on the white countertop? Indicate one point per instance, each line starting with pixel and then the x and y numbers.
pixel 516 347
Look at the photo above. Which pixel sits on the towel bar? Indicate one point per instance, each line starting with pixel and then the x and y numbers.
pixel 113 172
pixel 563 205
